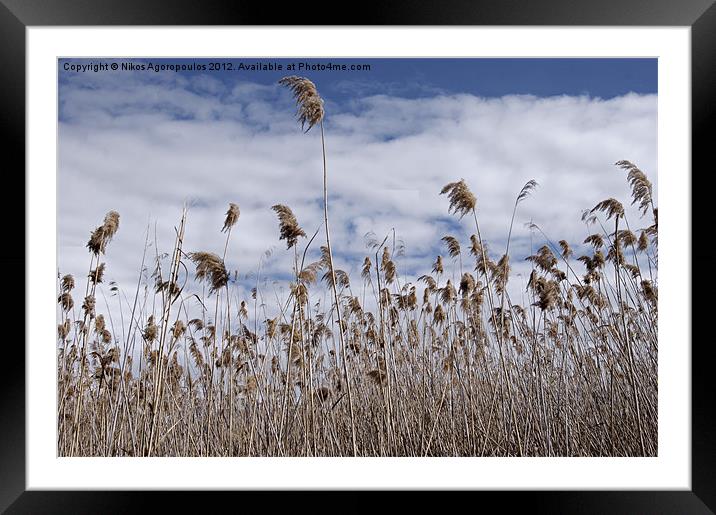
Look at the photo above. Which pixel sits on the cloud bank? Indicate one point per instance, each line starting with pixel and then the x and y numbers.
pixel 144 145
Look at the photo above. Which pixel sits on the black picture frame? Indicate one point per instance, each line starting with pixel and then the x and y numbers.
pixel 700 15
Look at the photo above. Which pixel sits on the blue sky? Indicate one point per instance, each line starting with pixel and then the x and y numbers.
pixel 411 78
pixel 603 78
pixel 144 143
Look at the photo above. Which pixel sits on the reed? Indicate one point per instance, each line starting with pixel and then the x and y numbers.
pixel 450 365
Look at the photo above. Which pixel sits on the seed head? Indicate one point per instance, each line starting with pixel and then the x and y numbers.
pixel 640 185
pixel 210 267
pixel 453 246
pixel 288 225
pixel 611 207
pixel 232 215
pixel 309 102
pixel 68 283
pixel 97 274
pixel 104 233
pixel 462 201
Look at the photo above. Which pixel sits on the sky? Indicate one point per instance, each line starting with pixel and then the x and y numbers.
pixel 144 142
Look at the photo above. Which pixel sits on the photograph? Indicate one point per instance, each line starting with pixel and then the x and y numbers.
pixel 357 257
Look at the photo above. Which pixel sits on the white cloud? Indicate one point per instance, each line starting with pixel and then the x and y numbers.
pixel 144 144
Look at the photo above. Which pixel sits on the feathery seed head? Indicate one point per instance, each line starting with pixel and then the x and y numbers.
pixel 501 272
pixel 104 233
pixel 566 250
pixel 526 190
pixel 475 247
pixel 232 215
pixel 97 274
pixel 643 242
pixel 88 306
pixel 611 207
pixel 150 330
pixel 66 301
pixel 462 201
pixel 453 246
pixel 365 271
pixel 544 259
pixel 309 102
pixel 640 185
pixel 68 283
pixel 210 267
pixel 429 282
pixel 288 225
pixel 595 240
pixel 438 265
pixel 467 284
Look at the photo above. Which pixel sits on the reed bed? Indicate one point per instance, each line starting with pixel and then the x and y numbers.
pixel 375 365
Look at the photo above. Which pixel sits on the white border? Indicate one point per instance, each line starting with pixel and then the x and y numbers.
pixel 671 469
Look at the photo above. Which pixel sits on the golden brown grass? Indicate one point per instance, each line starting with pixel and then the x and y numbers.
pixel 388 368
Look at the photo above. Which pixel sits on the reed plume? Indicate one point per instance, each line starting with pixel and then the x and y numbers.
pixel 309 102
pixel 66 301
pixel 232 216
pixel 103 234
pixel 97 274
pixel 640 185
pixel 68 283
pixel 610 206
pixel 288 225
pixel 462 201
pixel 453 246
pixel 210 268
pixel 566 250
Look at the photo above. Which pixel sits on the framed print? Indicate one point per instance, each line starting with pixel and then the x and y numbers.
pixel 386 255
